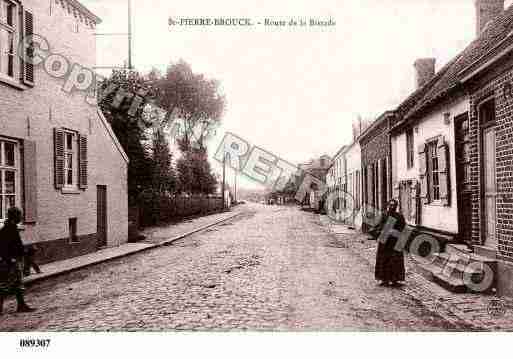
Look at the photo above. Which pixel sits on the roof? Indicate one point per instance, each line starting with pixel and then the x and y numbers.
pixel 494 38
pixel 342 149
pixel 86 11
pixel 112 135
pixel 385 115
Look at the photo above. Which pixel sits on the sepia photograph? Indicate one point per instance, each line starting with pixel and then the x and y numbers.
pixel 330 171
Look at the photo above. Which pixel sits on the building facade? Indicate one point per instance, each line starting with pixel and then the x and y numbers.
pixel 489 127
pixel 59 159
pixel 376 159
pixel 454 143
pixel 337 180
pixel 424 149
pixel 354 198
pixel 317 168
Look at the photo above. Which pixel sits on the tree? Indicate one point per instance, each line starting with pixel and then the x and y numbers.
pixel 116 96
pixel 197 104
pixel 195 174
pixel 163 174
pixel 193 99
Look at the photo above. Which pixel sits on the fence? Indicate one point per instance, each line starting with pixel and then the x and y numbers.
pixel 169 209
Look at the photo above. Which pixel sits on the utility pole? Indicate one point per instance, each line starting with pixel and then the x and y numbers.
pixel 224 181
pixel 235 185
pixel 130 64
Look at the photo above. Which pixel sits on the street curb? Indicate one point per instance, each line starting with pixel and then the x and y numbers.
pixel 30 281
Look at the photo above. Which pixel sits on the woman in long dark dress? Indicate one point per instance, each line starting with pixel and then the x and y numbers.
pixel 389 261
pixel 11 261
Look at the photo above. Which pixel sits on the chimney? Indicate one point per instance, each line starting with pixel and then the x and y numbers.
pixel 486 11
pixel 424 71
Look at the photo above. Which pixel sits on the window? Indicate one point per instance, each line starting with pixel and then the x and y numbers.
pixel 9 172
pixel 8 38
pixel 433 171
pixel 409 148
pixel 70 159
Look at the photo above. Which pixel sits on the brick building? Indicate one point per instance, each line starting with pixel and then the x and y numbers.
pixel 59 159
pixel 376 169
pixel 488 76
pixel 466 178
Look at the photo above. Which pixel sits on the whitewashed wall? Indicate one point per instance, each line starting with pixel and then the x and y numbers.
pixel 436 216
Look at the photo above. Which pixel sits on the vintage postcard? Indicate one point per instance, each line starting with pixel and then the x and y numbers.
pixel 278 166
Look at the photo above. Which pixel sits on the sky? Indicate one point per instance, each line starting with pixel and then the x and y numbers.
pixel 295 91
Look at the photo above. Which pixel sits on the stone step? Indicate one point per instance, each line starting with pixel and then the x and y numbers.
pixel 442 259
pixel 448 273
pixel 452 284
pixel 457 270
pixel 458 249
pixel 482 259
pixel 485 252
pixel 428 270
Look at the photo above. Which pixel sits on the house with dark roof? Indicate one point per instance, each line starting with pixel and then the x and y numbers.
pixel 423 147
pixel 453 156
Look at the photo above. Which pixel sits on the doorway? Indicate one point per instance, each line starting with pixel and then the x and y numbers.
pixel 101 215
pixel 463 174
pixel 488 174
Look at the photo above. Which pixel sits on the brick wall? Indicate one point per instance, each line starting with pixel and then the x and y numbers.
pixel 493 86
pixel 375 146
pixel 33 113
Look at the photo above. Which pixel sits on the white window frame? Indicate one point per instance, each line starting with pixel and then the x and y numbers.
pixel 15 31
pixel 73 186
pixel 431 173
pixel 17 175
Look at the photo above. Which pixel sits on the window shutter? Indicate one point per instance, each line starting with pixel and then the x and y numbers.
pixel 30 181
pixel 82 161
pixel 27 68
pixel 424 195
pixel 443 167
pixel 414 203
pixel 58 140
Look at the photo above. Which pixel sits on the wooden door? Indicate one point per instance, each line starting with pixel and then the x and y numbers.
pixel 463 180
pixel 489 187
pixel 101 215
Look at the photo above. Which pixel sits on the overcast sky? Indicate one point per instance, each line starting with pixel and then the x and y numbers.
pixel 296 91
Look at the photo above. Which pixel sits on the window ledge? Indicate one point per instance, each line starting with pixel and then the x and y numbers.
pixel 70 191
pixel 12 83
pixel 435 204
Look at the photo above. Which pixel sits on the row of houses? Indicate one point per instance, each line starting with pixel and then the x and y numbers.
pixel 445 153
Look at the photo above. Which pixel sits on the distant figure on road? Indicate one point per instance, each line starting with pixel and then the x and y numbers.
pixel 11 261
pixel 389 261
